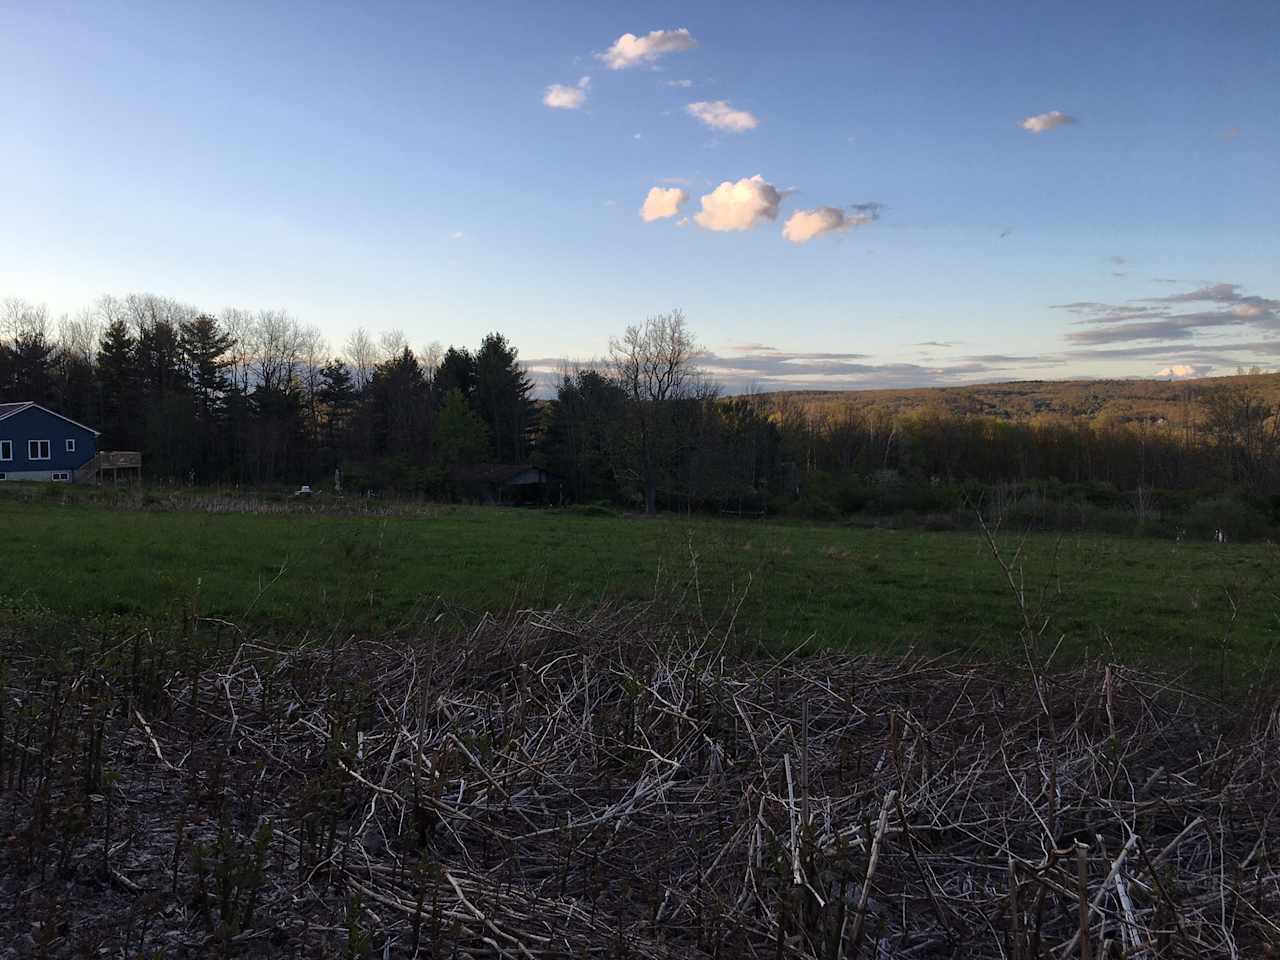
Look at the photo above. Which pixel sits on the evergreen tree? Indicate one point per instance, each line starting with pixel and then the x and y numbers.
pixel 457 371
pixel 461 436
pixel 502 398
pixel 118 388
pixel 204 349
pixel 337 398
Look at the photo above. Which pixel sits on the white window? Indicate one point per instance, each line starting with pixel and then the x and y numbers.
pixel 37 449
pixel 6 449
pixel 61 475
pixel 71 445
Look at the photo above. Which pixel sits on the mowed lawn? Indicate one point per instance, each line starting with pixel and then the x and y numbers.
pixel 1148 601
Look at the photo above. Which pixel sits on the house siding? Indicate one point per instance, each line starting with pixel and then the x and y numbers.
pixel 34 423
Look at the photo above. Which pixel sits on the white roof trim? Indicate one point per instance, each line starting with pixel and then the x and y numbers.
pixel 28 405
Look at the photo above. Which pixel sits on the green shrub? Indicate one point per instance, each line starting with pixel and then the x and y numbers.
pixel 815 508
pixel 1232 518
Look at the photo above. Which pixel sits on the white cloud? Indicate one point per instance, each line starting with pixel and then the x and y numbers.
pixel 1183 371
pixel 718 115
pixel 1046 121
pixel 739 206
pixel 682 222
pixel 1249 310
pixel 567 98
pixel 630 51
pixel 663 202
pixel 803 225
pixel 456 235
pixel 683 84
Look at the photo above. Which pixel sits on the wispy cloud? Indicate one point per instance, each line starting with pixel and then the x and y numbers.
pixel 718 115
pixel 562 97
pixel 1043 122
pixel 739 206
pixel 763 366
pixel 662 202
pixel 682 84
pixel 632 51
pixel 803 225
pixel 1176 319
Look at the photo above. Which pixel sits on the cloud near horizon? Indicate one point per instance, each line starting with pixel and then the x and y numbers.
pixel 803 225
pixel 1043 122
pixel 563 97
pixel 1183 371
pixel 631 51
pixel 1159 318
pixel 662 202
pixel 753 366
pixel 739 206
pixel 718 115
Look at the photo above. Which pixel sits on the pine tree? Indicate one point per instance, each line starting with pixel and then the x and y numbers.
pixel 503 398
pixel 118 386
pixel 204 347
pixel 337 398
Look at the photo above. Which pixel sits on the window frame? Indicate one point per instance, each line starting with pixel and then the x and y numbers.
pixel 70 445
pixel 48 450
pixel 60 476
pixel 9 444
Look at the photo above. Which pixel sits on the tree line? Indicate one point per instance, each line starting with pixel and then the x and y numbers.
pixel 257 398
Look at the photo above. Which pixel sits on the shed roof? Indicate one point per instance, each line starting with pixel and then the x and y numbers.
pixel 499 473
pixel 8 410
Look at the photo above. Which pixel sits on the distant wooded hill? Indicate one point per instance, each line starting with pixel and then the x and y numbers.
pixel 1152 401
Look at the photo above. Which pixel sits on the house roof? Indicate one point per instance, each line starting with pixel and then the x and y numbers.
pixel 499 473
pixel 8 410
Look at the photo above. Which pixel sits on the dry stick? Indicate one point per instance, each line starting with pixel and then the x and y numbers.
pixel 1088 906
pixel 915 857
pixel 872 859
pixel 1082 934
pixel 1015 914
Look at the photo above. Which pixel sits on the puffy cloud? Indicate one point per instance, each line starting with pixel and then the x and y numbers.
pixel 739 206
pixel 663 202
pixel 718 115
pixel 1046 121
pixel 567 98
pixel 803 225
pixel 630 51
pixel 1183 371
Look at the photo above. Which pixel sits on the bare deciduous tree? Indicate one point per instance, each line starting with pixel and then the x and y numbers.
pixel 655 366
pixel 362 356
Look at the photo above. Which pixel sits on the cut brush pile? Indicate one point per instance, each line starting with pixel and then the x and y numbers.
pixel 622 787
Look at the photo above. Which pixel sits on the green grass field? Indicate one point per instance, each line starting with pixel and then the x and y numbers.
pixel 109 569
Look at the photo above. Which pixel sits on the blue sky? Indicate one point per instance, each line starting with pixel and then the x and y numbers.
pixel 395 166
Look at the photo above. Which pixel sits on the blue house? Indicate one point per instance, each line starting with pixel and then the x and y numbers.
pixel 38 444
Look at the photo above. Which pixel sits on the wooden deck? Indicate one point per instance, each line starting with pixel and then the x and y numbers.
pixel 115 465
